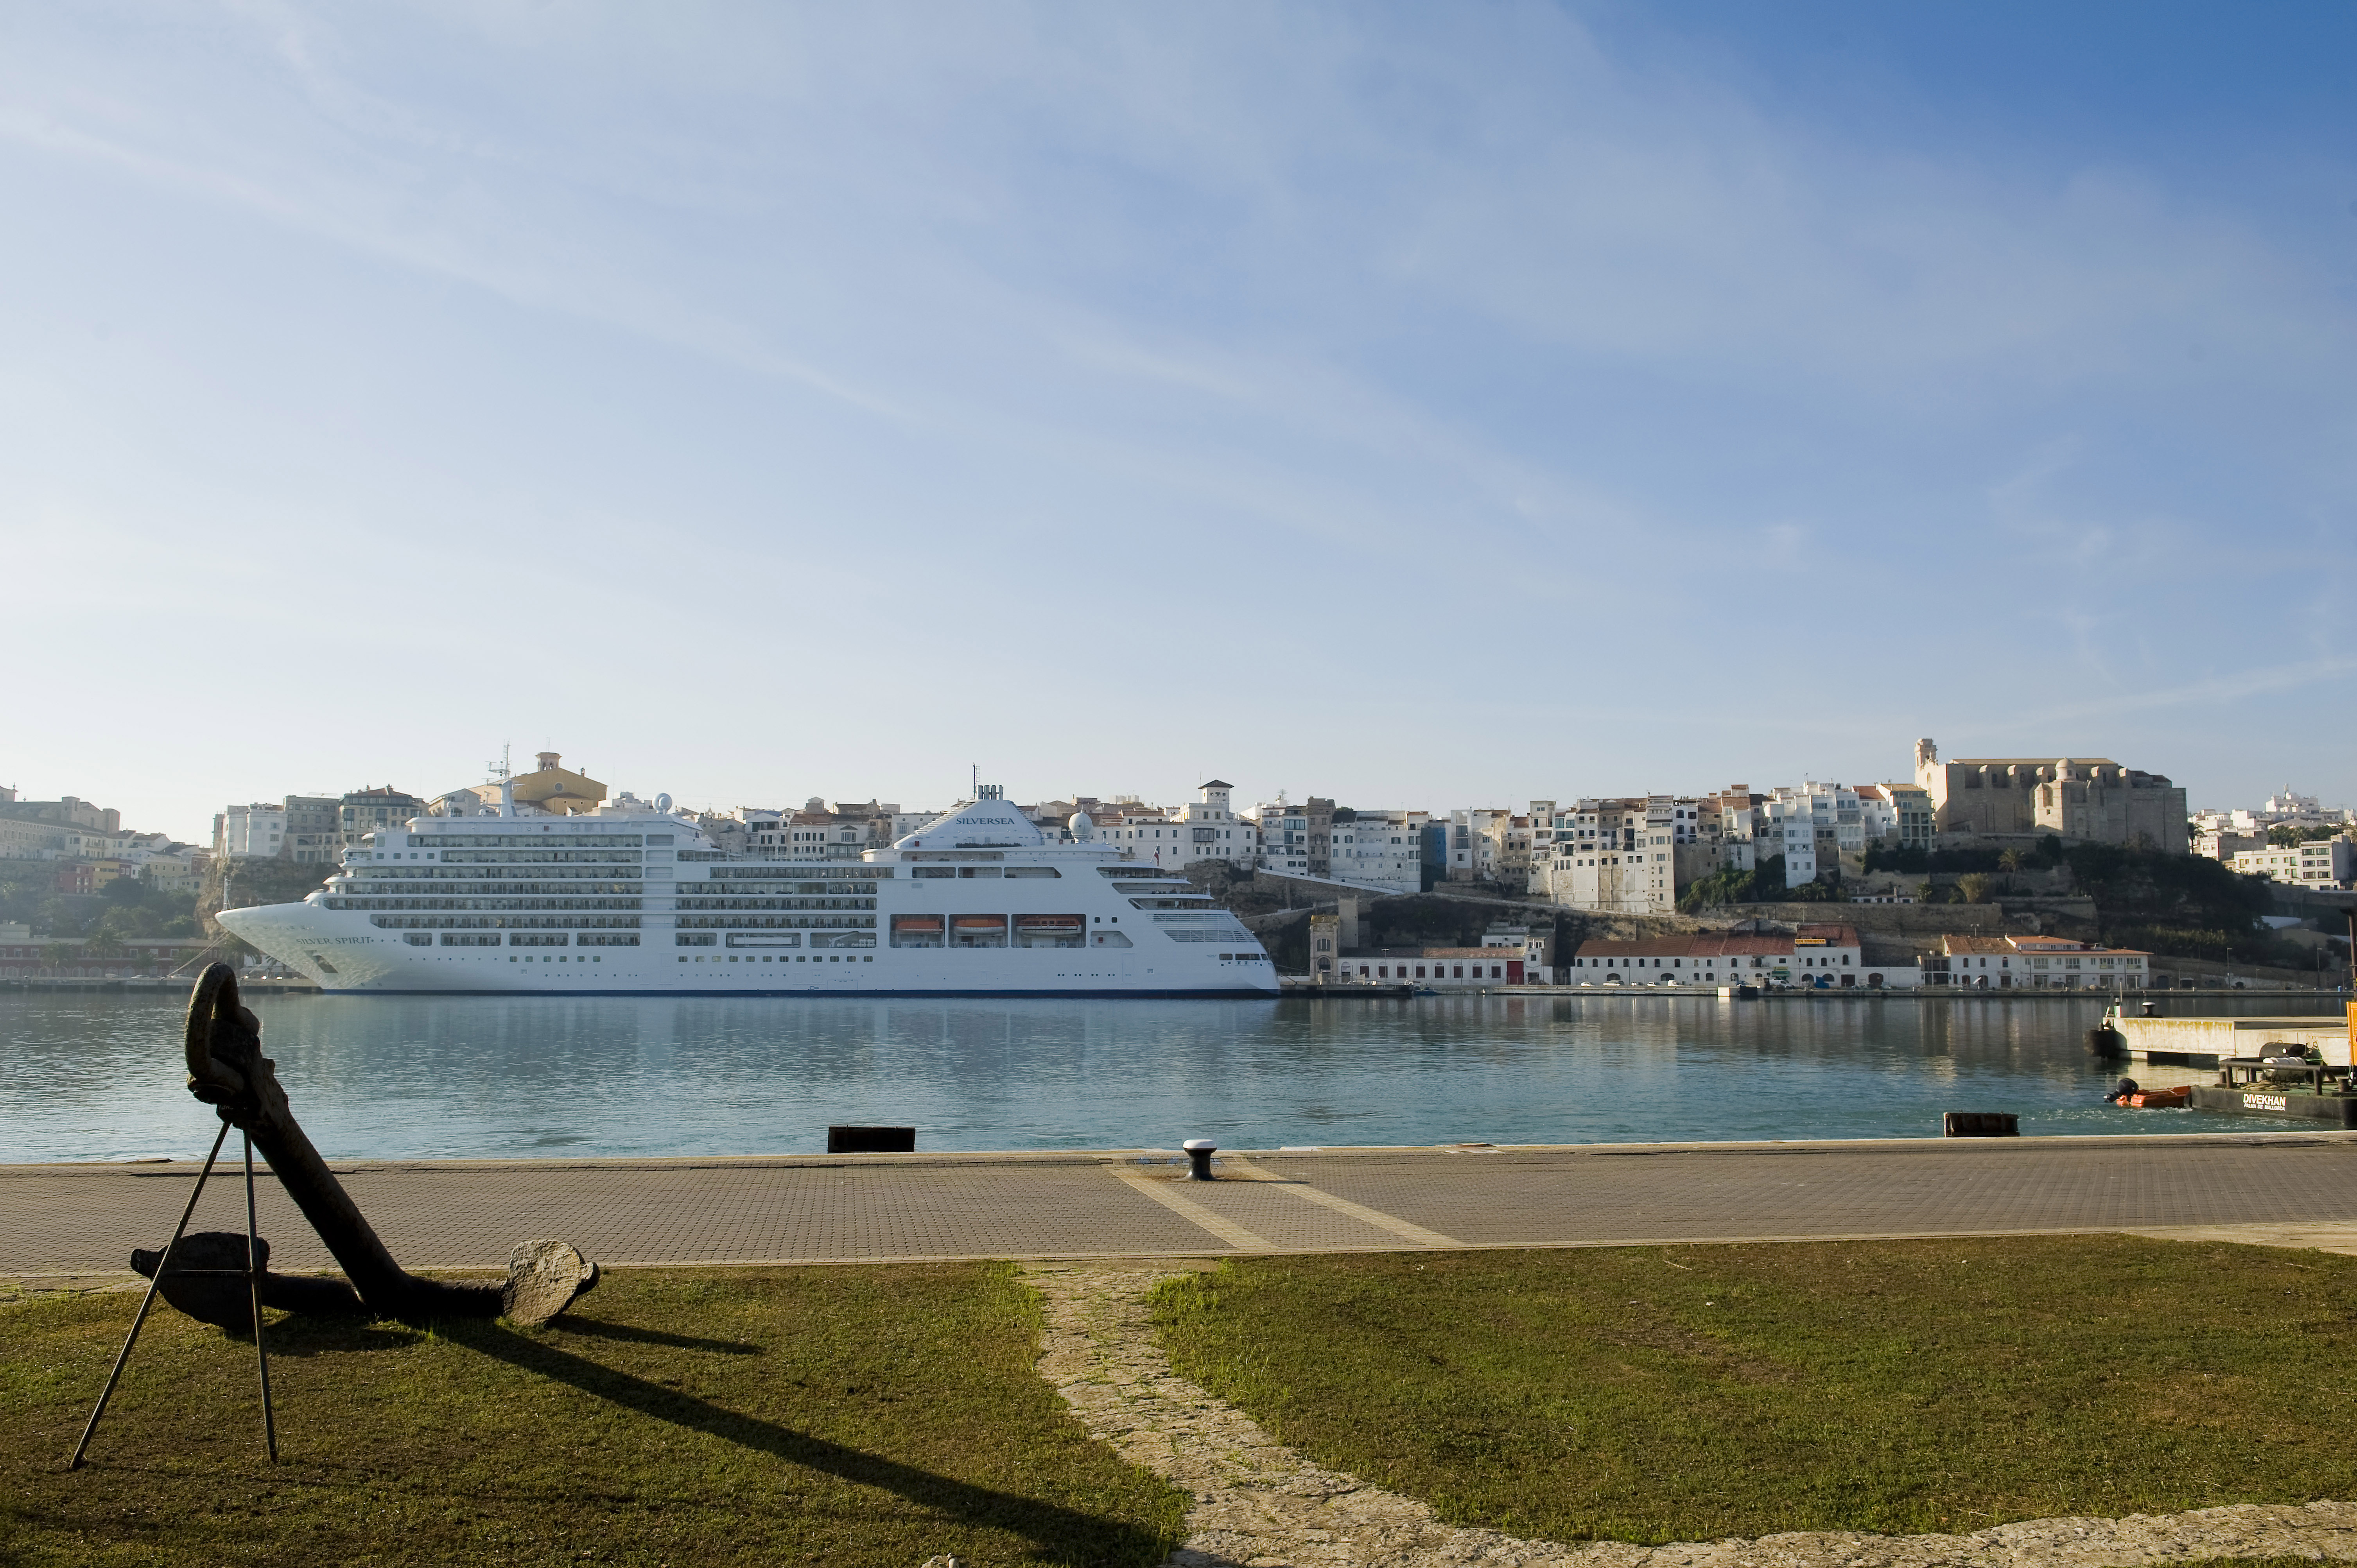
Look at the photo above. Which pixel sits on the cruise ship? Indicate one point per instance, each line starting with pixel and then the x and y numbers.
pixel 636 900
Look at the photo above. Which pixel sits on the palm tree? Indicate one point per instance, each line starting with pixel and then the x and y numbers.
pixel 2011 859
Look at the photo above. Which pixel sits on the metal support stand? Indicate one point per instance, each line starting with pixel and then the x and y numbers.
pixel 254 1286
pixel 254 1294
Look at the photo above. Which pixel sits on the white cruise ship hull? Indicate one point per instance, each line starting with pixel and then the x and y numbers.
pixel 591 905
pixel 345 961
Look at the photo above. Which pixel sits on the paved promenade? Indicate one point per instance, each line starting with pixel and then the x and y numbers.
pixel 83 1220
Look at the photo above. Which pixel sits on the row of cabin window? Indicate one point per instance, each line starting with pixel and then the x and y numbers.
pixel 773 958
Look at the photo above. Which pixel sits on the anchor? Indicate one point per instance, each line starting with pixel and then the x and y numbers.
pixel 221 1278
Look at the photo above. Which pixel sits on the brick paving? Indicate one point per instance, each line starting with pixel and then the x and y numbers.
pixel 83 1220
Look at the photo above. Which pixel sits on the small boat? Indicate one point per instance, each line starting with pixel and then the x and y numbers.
pixel 2131 1093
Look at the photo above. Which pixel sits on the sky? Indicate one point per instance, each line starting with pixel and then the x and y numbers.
pixel 1424 406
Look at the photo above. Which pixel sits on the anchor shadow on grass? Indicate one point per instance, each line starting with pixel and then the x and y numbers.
pixel 1059 1529
pixel 594 1330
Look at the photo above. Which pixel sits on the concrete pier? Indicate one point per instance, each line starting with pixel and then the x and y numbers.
pixel 2206 1042
pixel 82 1221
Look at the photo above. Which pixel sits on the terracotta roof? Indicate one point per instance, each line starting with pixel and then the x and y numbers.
pixel 1703 947
pixel 1832 934
pixel 1742 947
pixel 1501 955
pixel 1955 946
pixel 1651 947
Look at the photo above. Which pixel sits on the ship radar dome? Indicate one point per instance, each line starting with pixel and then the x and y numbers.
pixel 1081 827
pixel 663 803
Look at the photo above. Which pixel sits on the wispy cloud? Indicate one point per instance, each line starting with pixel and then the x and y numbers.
pixel 1559 368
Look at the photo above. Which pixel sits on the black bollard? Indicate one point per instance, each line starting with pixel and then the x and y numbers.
pixel 1199 1155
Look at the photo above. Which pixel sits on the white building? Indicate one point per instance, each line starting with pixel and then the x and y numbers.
pixel 1535 946
pixel 1177 837
pixel 1812 826
pixel 1910 809
pixel 1730 826
pixel 2224 843
pixel 2046 963
pixel 1285 837
pixel 1624 854
pixel 1826 956
pixel 2318 863
pixel 1214 830
pixel 1380 849
pixel 1476 840
pixel 249 832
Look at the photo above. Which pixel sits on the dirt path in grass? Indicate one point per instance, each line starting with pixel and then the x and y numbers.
pixel 1258 1503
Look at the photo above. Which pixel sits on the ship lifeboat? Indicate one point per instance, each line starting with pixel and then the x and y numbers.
pixel 977 930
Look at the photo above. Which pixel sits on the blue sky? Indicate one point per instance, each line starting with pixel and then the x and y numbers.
pixel 1419 405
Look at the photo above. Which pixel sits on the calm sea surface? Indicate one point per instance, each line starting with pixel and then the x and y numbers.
pixel 98 1077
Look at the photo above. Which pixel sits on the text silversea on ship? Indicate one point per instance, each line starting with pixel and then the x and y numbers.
pixel 628 900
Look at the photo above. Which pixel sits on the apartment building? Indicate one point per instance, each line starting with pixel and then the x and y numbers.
pixel 1896 815
pixel 1381 849
pixel 1477 840
pixel 1283 837
pixel 1624 854
pixel 361 812
pixel 1813 825
pixel 2318 863
pixel 254 831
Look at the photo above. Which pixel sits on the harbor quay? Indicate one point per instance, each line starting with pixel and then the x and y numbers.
pixel 78 1222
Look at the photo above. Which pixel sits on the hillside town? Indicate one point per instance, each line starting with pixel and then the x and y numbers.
pixel 1977 835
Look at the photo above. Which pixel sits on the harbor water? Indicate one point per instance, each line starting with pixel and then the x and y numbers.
pixel 99 1076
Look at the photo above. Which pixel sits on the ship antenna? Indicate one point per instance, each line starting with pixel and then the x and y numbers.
pixel 506 777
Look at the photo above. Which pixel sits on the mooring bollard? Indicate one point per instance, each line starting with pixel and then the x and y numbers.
pixel 1199 1155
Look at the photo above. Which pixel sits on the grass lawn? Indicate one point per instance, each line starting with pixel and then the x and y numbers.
pixel 844 1416
pixel 1654 1395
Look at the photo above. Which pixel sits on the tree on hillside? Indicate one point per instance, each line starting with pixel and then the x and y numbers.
pixel 1762 885
pixel 2185 904
pixel 1976 887
pixel 2011 859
